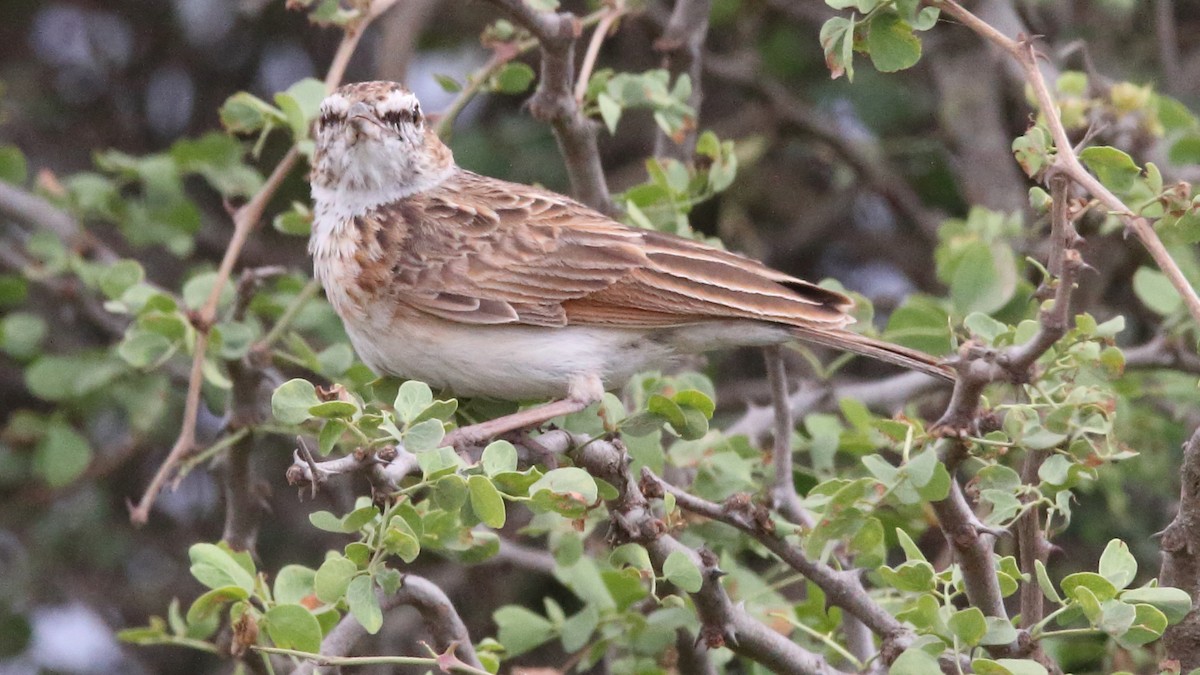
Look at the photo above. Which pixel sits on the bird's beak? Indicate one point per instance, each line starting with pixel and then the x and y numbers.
pixel 360 115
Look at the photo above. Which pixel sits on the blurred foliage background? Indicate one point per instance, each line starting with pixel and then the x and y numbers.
pixel 837 179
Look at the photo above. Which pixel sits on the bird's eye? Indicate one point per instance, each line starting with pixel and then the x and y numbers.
pixel 329 117
pixel 397 117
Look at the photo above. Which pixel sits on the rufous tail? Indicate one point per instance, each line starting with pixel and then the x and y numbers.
pixel 876 349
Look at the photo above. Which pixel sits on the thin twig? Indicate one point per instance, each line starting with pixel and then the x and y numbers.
pixel 440 617
pixel 1065 158
pixel 245 219
pixel 783 488
pixel 615 10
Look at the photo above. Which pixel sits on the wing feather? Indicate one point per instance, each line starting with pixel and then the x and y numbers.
pixel 480 250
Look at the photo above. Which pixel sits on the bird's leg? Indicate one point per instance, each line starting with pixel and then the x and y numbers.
pixel 582 391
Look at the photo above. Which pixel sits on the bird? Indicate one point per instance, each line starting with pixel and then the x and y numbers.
pixel 501 290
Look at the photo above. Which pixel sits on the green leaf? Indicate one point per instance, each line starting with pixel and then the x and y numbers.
pixel 486 501
pixel 999 632
pixel 1117 564
pixel 215 567
pixel 1055 470
pixel 693 398
pixel 294 583
pixel 968 625
pixel 914 576
pixel 1044 582
pixel 498 457
pixel 424 435
pixel 411 399
pixel 514 78
pixel 332 578
pixel 984 279
pixel 1115 169
pixel 293 627
pixel 332 410
pixel 911 550
pixel 356 519
pixel 292 401
pixel 207 605
pixel 447 83
pixel 438 462
pixel 58 378
pixel 520 630
pixel 1156 292
pixel 569 491
pixel 198 288
pixel 120 277
pixel 577 630
pixel 679 569
pixel 364 604
pixel 914 661
pixel 1148 625
pixel 610 111
pixel 296 221
pixel 21 334
pixel 1007 667
pixel 891 43
pixel 450 492
pixel 245 113
pixel 13 167
pixel 1173 602
pixel 324 520
pixel 62 455
pixel 837 41
pixel 400 539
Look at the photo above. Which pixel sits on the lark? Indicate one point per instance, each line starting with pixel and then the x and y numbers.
pixel 502 290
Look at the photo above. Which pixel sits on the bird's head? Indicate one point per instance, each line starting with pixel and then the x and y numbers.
pixel 372 137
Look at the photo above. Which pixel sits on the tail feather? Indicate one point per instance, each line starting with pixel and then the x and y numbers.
pixel 876 349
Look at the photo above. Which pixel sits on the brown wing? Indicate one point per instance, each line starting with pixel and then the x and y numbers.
pixel 480 250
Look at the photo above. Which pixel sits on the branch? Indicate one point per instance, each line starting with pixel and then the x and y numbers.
pixel 682 47
pixel 723 622
pixel 864 156
pixel 554 102
pixel 1067 161
pixel 441 619
pixel 384 468
pixel 783 489
pixel 1162 352
pixel 887 395
pixel 438 613
pixel 26 207
pixel 245 220
pixel 1181 559
pixel 843 589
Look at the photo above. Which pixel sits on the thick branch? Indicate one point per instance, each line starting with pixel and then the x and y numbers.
pixel 384 468
pixel 554 101
pixel 1181 559
pixel 723 622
